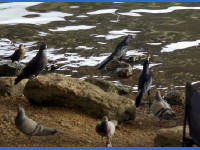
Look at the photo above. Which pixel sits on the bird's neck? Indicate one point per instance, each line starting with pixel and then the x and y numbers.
pixel 20 116
pixel 146 69
pixel 42 53
pixel 21 50
pixel 126 40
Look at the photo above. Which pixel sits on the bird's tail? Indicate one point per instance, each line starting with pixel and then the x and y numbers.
pixel 105 62
pixel 44 131
pixel 139 98
pixel 115 122
pixel 18 79
pixel 7 57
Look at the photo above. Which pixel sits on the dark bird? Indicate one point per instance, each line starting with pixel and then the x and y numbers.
pixel 35 66
pixel 119 52
pixel 18 54
pixel 144 84
pixel 162 109
pixel 106 128
pixel 31 128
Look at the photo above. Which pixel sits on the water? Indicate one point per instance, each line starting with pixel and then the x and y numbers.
pixel 81 35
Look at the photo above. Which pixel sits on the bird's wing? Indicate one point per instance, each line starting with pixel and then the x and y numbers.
pixel 35 65
pixel 30 127
pixel 111 126
pixel 27 126
pixel 15 54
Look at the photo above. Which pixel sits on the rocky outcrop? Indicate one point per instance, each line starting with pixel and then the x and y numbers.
pixel 175 97
pixel 7 87
pixel 170 137
pixel 59 90
pixel 108 86
pixel 10 69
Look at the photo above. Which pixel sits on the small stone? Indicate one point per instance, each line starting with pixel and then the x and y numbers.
pixel 89 141
pixel 125 72
pixel 140 123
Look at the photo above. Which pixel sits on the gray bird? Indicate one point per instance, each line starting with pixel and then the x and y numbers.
pixel 162 109
pixel 30 127
pixel 106 129
pixel 119 52
pixel 18 55
pixel 144 84
pixel 35 66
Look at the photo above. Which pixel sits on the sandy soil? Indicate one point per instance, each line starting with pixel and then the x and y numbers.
pixel 76 128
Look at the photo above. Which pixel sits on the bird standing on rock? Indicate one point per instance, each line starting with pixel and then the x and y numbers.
pixel 144 84
pixel 35 66
pixel 106 128
pixel 30 127
pixel 162 109
pixel 119 52
pixel 18 55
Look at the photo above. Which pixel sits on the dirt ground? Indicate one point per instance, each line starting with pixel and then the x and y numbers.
pixel 75 128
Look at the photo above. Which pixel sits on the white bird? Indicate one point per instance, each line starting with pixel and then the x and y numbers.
pixel 106 128
pixel 31 128
pixel 162 109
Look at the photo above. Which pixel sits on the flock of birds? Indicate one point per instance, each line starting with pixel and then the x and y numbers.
pixel 104 128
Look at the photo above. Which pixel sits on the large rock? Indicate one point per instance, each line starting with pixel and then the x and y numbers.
pixel 7 87
pixel 108 86
pixel 175 97
pixel 10 69
pixel 170 137
pixel 59 90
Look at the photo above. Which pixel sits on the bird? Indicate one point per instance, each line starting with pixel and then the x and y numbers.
pixel 106 129
pixel 18 55
pixel 29 127
pixel 119 52
pixel 35 66
pixel 162 109
pixel 144 84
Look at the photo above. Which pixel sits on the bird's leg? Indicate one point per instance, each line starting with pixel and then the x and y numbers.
pixel 120 60
pixel 102 140
pixel 108 142
pixel 29 140
pixel 149 100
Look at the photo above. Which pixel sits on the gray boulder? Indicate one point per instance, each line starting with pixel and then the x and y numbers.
pixel 10 69
pixel 125 71
pixel 7 87
pixel 59 90
pixel 108 86
pixel 122 69
pixel 170 137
